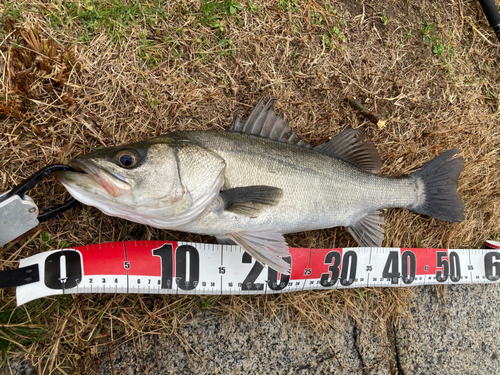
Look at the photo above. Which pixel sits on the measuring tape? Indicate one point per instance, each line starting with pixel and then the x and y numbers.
pixel 170 267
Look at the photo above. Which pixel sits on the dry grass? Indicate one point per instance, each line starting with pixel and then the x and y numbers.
pixel 75 76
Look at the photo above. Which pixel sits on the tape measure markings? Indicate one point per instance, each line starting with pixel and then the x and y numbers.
pixel 169 267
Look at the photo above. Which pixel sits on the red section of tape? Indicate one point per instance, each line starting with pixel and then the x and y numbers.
pixel 141 259
pixel 426 260
pixel 300 262
pixel 492 244
pixel 320 264
pixel 310 263
pixel 103 259
pixel 118 258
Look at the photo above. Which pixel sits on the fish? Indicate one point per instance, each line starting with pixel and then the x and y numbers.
pixel 253 183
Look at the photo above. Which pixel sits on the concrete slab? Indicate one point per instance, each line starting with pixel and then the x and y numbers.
pixel 217 346
pixel 449 330
pixel 452 330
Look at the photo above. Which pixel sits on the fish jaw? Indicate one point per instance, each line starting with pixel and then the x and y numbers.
pixel 114 184
pixel 94 181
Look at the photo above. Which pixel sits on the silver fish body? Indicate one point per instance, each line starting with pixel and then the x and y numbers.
pixel 319 191
pixel 254 183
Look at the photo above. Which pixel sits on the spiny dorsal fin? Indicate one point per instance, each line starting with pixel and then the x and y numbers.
pixel 264 122
pixel 368 231
pixel 353 145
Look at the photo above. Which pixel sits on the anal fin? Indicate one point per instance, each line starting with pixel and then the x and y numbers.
pixel 368 231
pixel 266 245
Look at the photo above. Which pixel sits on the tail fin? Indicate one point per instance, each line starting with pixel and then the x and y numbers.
pixel 439 179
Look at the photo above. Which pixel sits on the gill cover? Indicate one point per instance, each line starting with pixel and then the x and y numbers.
pixel 201 173
pixel 170 182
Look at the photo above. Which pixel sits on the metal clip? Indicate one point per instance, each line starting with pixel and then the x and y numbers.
pixel 19 214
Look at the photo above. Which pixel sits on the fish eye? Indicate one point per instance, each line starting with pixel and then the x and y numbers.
pixel 126 158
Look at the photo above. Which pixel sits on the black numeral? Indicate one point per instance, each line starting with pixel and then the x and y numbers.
pixel 248 283
pixel 272 276
pixel 167 269
pixel 455 273
pixel 442 275
pixel 349 265
pixel 409 266
pixel 330 278
pixel 181 255
pixel 492 260
pixel 53 278
pixel 391 268
pixel 222 270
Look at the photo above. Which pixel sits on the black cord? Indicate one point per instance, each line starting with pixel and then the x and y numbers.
pixel 33 180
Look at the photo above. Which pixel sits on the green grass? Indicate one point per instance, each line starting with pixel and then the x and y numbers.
pixel 46 240
pixel 385 20
pixel 213 13
pixel 205 303
pixel 217 14
pixel 334 37
pixel 409 33
pixel 439 47
pixel 11 13
pixel 113 17
pixel 252 7
pixel 15 323
pixel 316 18
pixel 285 5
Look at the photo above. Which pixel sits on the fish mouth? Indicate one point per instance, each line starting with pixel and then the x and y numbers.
pixel 89 175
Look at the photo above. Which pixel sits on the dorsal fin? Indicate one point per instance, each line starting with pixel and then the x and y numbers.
pixel 353 145
pixel 264 122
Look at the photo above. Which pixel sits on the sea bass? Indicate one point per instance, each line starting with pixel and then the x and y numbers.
pixel 257 181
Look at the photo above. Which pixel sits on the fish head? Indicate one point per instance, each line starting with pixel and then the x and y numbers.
pixel 162 182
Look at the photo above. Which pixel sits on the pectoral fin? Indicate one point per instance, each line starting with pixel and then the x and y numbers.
pixel 266 245
pixel 368 231
pixel 250 200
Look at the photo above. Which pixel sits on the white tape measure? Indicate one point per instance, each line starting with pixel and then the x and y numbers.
pixel 169 267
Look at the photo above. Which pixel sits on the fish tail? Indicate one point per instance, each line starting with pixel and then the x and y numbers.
pixel 437 183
